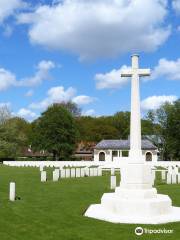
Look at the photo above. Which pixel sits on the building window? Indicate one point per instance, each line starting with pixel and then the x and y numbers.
pixel 115 153
pixel 125 153
pixel 101 156
pixel 148 156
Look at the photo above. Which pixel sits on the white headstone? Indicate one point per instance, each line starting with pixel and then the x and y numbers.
pixel 113 182
pixel 78 172
pixel 82 172
pixel 73 172
pixel 86 171
pixel 152 179
pixel 91 172
pixel 41 168
pixel 170 170
pixel 176 170
pixel 95 172
pixel 174 177
pixel 99 172
pixel 112 171
pixel 12 191
pixel 68 173
pixel 163 174
pixel 63 173
pixel 55 175
pixel 178 177
pixel 58 172
pixel 43 176
pixel 169 178
pixel 154 174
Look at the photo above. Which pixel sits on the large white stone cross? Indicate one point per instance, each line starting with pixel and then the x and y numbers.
pixel 135 72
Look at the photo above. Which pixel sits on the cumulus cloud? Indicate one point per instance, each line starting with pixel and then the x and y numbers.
pixel 26 113
pixel 98 29
pixel 42 74
pixel 168 69
pixel 9 7
pixel 111 79
pixel 55 95
pixel 83 100
pixel 154 102
pixel 59 94
pixel 8 79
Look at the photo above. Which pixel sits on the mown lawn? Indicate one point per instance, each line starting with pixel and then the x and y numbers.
pixel 54 211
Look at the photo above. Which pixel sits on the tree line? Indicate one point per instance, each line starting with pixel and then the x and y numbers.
pixel 61 127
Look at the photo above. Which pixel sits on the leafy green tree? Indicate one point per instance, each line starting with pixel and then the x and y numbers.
pixel 121 121
pixel 167 119
pixel 13 137
pixel 95 129
pixel 55 131
pixel 71 107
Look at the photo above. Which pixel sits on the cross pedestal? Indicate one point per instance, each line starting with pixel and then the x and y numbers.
pixel 135 200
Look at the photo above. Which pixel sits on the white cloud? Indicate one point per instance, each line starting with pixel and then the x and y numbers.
pixel 98 29
pixel 59 94
pixel 42 74
pixel 26 113
pixel 29 93
pixel 168 69
pixel 83 100
pixel 176 5
pixel 8 8
pixel 90 112
pixel 55 95
pixel 154 102
pixel 111 79
pixel 7 79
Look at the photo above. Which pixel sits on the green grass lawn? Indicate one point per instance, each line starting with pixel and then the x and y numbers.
pixel 54 211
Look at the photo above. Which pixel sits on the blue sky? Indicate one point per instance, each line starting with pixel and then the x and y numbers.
pixel 53 51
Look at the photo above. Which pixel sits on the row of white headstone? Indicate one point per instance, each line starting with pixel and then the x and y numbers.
pixel 171 175
pixel 72 173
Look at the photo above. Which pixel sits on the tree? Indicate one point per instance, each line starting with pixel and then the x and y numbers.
pixel 171 130
pixel 55 131
pixel 13 137
pixel 71 107
pixel 95 129
pixel 121 121
pixel 5 114
pixel 167 119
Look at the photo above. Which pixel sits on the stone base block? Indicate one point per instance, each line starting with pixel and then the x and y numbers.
pixel 136 193
pixel 97 211
pixel 161 204
pixel 116 208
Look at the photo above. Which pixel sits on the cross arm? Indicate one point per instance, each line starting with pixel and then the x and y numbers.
pixel 126 73
pixel 144 72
